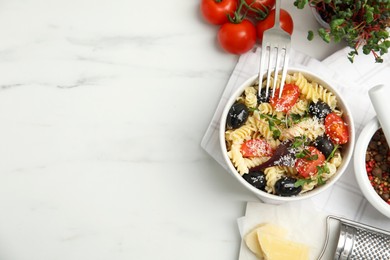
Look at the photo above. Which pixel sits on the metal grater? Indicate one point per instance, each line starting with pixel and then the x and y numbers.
pixel 358 241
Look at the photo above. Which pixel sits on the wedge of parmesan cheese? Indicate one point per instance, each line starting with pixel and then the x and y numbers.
pixel 252 241
pixel 279 248
pixel 268 242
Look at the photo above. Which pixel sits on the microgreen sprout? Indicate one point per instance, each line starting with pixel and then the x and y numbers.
pixel 360 23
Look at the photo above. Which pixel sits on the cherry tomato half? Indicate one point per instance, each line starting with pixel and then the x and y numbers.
pixel 256 148
pixel 237 38
pixel 336 128
pixel 307 166
pixel 288 99
pixel 216 12
pixel 286 22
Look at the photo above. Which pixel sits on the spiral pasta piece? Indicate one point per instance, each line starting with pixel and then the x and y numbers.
pixel 325 95
pixel 309 185
pixel 274 143
pixel 292 171
pixel 305 87
pixel 272 175
pixel 251 100
pixel 250 90
pixel 267 109
pixel 255 161
pixel 336 159
pixel 332 170
pixel 300 107
pixel 239 134
pixel 237 159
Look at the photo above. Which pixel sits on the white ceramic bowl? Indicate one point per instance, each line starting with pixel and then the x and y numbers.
pixel 347 151
pixel 360 168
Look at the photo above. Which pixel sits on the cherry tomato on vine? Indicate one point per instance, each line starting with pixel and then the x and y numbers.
pixel 217 11
pixel 290 95
pixel 256 148
pixel 237 38
pixel 259 7
pixel 307 166
pixel 336 128
pixel 286 22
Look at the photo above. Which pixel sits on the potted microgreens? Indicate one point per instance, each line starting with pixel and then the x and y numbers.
pixel 360 23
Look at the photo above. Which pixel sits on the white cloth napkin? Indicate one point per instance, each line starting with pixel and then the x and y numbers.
pixel 353 81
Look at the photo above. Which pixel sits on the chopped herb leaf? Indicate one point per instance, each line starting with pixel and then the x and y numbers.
pixel 312 158
pixel 301 182
pixel 321 170
pixel 276 133
pixel 299 141
pixel 332 153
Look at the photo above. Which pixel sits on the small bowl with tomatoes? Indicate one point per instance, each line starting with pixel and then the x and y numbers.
pixel 288 148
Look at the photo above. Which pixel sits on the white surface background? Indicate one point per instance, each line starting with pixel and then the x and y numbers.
pixel 103 105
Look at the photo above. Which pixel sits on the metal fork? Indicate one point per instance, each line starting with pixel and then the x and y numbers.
pixel 275 41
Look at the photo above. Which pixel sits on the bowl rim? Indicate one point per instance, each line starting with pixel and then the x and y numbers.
pixel 327 83
pixel 360 167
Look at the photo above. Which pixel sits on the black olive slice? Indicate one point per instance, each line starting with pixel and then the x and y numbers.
pixel 256 179
pixel 286 187
pixel 319 110
pixel 237 116
pixel 262 98
pixel 324 144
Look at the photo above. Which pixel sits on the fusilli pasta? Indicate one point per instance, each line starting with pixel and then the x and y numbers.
pixel 274 127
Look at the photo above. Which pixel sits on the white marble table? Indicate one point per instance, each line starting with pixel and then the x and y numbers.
pixel 103 105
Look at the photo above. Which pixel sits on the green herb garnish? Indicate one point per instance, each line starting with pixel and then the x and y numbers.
pixel 302 154
pixel 361 24
pixel 301 182
pixel 332 153
pixel 273 121
pixel 300 141
pixel 292 119
pixel 320 171
pixel 312 158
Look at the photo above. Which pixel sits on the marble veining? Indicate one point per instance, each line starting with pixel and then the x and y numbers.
pixel 103 105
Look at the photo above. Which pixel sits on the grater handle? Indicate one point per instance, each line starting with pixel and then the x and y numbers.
pixel 362 226
pixel 347 231
pixel 346 241
pixel 326 237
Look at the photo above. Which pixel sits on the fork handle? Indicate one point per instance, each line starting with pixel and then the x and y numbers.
pixel 277 13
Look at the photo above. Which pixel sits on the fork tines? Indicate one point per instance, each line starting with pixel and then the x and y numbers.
pixel 277 57
pixel 275 50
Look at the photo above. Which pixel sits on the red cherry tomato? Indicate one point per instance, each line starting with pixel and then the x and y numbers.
pixel 259 7
pixel 286 22
pixel 288 99
pixel 237 38
pixel 216 12
pixel 307 166
pixel 336 128
pixel 256 148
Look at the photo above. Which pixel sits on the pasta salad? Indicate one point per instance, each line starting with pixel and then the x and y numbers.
pixel 290 145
